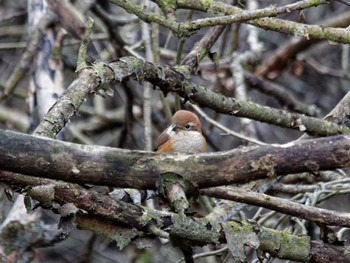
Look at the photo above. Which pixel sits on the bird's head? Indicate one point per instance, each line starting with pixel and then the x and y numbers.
pixel 186 121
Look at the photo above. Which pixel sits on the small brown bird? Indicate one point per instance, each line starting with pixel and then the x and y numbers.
pixel 184 135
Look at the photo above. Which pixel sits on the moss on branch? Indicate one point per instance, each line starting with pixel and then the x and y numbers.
pixel 198 231
pixel 173 80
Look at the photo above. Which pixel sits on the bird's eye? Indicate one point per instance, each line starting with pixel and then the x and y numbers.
pixel 188 126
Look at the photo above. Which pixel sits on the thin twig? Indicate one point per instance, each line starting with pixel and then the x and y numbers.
pixel 207 254
pixel 147 119
pixel 223 128
pixel 310 213
pixel 81 63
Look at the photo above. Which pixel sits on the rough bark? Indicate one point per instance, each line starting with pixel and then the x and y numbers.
pixel 137 169
pixel 198 231
pixel 172 80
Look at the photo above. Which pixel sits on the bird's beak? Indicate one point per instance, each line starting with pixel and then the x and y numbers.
pixel 174 127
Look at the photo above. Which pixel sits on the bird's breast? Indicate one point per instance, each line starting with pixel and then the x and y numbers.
pixel 188 142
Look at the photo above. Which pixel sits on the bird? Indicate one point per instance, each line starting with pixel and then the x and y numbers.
pixel 184 135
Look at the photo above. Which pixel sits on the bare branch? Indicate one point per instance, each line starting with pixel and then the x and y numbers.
pixel 313 214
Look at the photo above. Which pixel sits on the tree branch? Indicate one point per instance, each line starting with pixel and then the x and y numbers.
pixel 136 169
pixel 232 14
pixel 313 214
pixel 107 214
pixel 246 15
pixel 339 35
pixel 279 58
pixel 172 79
pixel 199 231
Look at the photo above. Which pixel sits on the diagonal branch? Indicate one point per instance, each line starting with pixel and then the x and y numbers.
pixel 313 214
pixel 172 79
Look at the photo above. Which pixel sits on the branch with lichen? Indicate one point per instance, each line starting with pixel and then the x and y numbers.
pixel 279 25
pixel 81 62
pixel 173 79
pixel 234 14
pixel 125 168
pixel 126 222
pixel 91 78
pixel 145 221
pixel 278 60
pixel 247 15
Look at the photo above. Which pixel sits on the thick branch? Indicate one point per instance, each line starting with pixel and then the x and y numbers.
pixel 170 79
pixel 330 253
pixel 66 106
pixel 116 167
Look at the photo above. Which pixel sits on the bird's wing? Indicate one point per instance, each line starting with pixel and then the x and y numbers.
pixel 163 143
